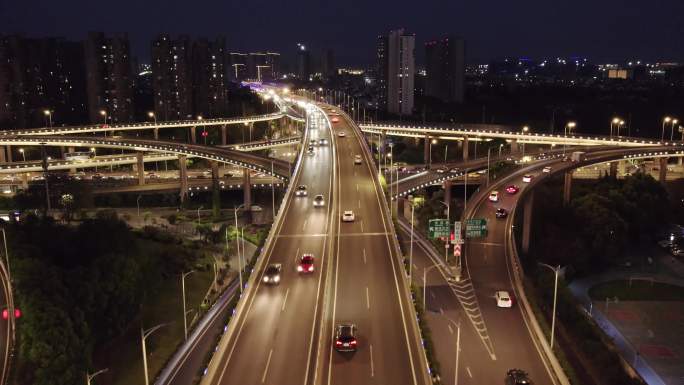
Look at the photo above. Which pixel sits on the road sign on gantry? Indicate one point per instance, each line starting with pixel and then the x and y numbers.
pixel 476 228
pixel 438 228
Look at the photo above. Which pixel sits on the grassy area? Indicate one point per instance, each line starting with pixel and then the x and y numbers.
pixel 124 356
pixel 639 290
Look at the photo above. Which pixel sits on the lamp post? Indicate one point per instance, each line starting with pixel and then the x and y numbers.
pixel 89 377
pixel 185 320
pixel 488 157
pixel 667 119
pixel 555 270
pixel 237 243
pixel 500 147
pixel 48 113
pixel 569 126
pixel 413 207
pixel 674 123
pixel 613 122
pixel 143 335
pixel 425 271
pixel 621 123
pixel 137 203
pixel 153 116
pixel 198 215
pixel 23 155
pixel 433 141
pixel 458 345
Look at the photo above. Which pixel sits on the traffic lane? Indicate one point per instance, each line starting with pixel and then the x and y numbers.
pixel 489 271
pixel 474 362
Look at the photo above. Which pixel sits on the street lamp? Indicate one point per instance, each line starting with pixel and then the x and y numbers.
pixel 23 155
pixel 143 335
pixel 555 270
pixel 433 141
pixel 674 122
pixel 198 215
pixel 185 318
pixel 89 377
pixel 237 243
pixel 569 127
pixel 613 122
pixel 104 116
pixel 137 203
pixel 525 129
pixel 667 119
pixel 48 113
pixel 620 124
pixel 153 116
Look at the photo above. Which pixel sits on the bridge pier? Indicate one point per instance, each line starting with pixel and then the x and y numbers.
pixel 3 156
pixel 8 150
pixel 567 186
pixel 193 134
pixel 216 190
pixel 514 146
pixel 662 172
pixel 141 168
pixel 224 134
pixel 613 169
pixel 24 180
pixel 156 133
pixel 426 151
pixel 247 188
pixel 183 176
pixel 465 148
pixel 527 222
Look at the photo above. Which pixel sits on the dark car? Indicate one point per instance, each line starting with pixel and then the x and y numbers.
pixel 301 191
pixel 345 338
pixel 517 377
pixel 272 273
pixel 501 213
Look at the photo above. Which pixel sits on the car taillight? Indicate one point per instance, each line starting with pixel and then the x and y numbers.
pixel 338 342
pixel 353 342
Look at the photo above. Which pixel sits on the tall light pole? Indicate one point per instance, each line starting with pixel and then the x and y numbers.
pixel 48 113
pixel 89 377
pixel 143 336
pixel 488 157
pixel 568 130
pixel 272 193
pixel 458 345
pixel 153 116
pixel 555 270
pixel 413 207
pixel 667 119
pixel 237 243
pixel 137 203
pixel 613 122
pixel 104 116
pixel 185 318
pixel 621 123
pixel 198 215
pixel 433 141
pixel 23 155
pixel 674 123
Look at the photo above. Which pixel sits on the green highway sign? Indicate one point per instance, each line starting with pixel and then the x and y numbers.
pixel 457 233
pixel 438 228
pixel 476 228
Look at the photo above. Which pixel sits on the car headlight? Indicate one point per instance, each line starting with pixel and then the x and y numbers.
pixel 299 268
pixel 265 279
pixel 277 278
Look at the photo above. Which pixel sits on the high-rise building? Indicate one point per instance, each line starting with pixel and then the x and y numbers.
pixel 396 65
pixel 381 72
pixel 108 78
pixel 172 77
pixel 238 66
pixel 210 95
pixel 328 64
pixel 445 67
pixel 38 75
pixel 273 61
pixel 303 63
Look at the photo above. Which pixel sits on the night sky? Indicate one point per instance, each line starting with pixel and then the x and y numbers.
pixel 602 30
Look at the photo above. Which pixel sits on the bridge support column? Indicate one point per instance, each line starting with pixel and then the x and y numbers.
pixel 662 175
pixel 72 149
pixel 613 169
pixel 224 134
pixel 465 148
pixel 247 188
pixel 3 157
pixel 527 222
pixel 183 171
pixel 24 180
pixel 447 192
pixel 426 151
pixel 193 134
pixel 156 133
pixel 141 168
pixel 567 187
pixel 400 207
pixel 216 190
pixel 514 146
pixel 8 150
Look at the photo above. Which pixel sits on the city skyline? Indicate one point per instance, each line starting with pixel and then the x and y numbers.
pixel 610 32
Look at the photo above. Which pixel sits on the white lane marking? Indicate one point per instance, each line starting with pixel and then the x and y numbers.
pixel 295 256
pixel 371 359
pixel 364 256
pixel 359 203
pixel 285 300
pixel 357 187
pixel 468 370
pixel 268 362
pixel 367 299
pixel 362 225
pixel 451 330
pixel 304 227
pixel 441 311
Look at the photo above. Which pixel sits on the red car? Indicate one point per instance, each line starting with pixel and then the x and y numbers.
pixel 335 120
pixel 512 189
pixel 306 264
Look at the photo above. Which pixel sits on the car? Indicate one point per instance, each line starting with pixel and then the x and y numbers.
pixel 494 196
pixel 301 191
pixel 256 208
pixel 97 176
pixel 357 159
pixel 512 189
pixel 441 170
pixel 546 169
pixel 503 299
pixel 306 263
pixel 323 142
pixel 348 216
pixel 272 273
pixel 310 151
pixel 678 253
pixel 454 170
pixel 319 201
pixel 527 178
pixel 517 377
pixel 501 213
pixel 341 134
pixel 345 338
pixel 313 142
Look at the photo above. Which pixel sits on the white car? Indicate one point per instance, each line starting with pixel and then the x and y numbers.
pixel 503 299
pixel 348 216
pixel 546 169
pixel 256 208
pixel 357 159
pixel 319 201
pixel 323 142
pixel 527 178
pixel 301 191
pixel 341 134
pixel 494 196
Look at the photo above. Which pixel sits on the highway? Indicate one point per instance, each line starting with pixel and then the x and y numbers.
pixel 273 338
